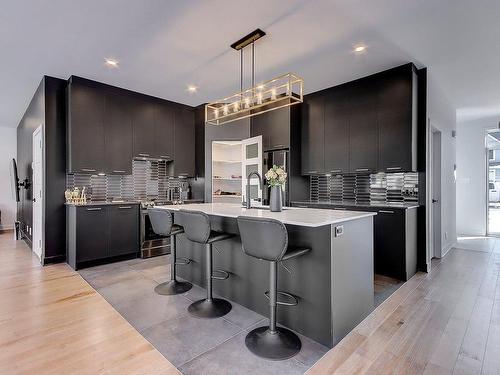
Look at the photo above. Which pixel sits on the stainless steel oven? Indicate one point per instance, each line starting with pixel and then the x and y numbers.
pixel 152 244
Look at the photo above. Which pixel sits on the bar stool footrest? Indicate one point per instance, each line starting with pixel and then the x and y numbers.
pixel 182 261
pixel 225 274
pixel 294 299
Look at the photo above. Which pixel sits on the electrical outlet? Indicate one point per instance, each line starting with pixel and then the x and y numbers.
pixel 445 235
pixel 339 231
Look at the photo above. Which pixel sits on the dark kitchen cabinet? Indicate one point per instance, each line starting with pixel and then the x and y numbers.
pixel 337 131
pixel 85 135
pixel 91 233
pixel 184 158
pixel 363 128
pixel 274 126
pixel 144 117
pixel 164 138
pixel 118 134
pixel 96 232
pixel 123 229
pixel 313 134
pixel 396 117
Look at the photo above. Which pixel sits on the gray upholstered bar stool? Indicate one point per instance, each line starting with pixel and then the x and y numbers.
pixel 267 239
pixel 162 222
pixel 197 228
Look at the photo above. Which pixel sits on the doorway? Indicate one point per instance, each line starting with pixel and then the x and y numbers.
pixel 493 183
pixel 38 199
pixel 435 184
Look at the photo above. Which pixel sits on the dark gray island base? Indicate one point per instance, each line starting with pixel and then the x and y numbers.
pixel 333 282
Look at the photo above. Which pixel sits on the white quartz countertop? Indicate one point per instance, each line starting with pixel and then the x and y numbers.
pixel 307 217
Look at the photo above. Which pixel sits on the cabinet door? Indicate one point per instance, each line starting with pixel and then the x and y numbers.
pixel 395 121
pixel 274 126
pixel 123 230
pixel 85 127
pixel 90 233
pixel 118 134
pixel 337 131
pixel 164 148
pixel 389 247
pixel 363 131
pixel 184 143
pixel 144 125
pixel 313 134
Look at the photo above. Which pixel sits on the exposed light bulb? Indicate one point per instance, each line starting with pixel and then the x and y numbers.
pixel 259 98
pixel 236 106
pixel 247 103
pixel 216 113
pixel 225 109
pixel 273 93
pixel 260 87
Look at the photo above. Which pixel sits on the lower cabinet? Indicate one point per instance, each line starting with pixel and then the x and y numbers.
pixel 394 238
pixel 99 232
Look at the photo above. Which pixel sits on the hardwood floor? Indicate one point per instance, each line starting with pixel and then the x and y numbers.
pixel 53 322
pixel 444 322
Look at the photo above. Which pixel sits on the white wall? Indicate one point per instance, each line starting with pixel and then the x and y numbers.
pixel 471 175
pixel 8 146
pixel 442 116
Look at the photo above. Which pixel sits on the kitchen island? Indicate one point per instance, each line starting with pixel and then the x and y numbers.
pixel 333 282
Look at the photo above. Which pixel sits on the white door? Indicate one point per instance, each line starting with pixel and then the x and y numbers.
pixel 37 166
pixel 251 161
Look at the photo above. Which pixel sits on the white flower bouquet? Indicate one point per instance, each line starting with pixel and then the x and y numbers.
pixel 276 176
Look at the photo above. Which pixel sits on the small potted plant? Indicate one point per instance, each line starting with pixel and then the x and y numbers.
pixel 276 178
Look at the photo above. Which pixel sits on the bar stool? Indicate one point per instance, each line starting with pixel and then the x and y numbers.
pixel 162 222
pixel 197 228
pixel 267 239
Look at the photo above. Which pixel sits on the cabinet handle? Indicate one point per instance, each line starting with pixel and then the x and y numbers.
pixel 165 157
pixel 183 174
pixel 362 169
pixel 118 171
pixel 339 208
pixel 278 146
pixel 94 209
pixel 124 207
pixel 312 172
pixel 386 212
pixel 301 206
pixel 88 170
pixel 336 171
pixel 144 155
pixel 393 168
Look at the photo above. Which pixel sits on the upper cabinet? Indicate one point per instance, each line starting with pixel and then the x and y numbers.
pixel 363 130
pixel 274 126
pixel 313 134
pixel 86 105
pixel 337 131
pixel 365 126
pixel 118 135
pixel 397 120
pixel 108 127
pixel 184 162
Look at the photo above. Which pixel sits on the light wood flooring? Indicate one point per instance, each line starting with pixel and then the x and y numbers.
pixel 444 322
pixel 53 322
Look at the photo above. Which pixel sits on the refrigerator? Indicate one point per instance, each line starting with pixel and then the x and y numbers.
pixel 279 158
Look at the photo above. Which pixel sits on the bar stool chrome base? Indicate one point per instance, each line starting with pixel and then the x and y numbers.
pixel 209 309
pixel 278 345
pixel 173 287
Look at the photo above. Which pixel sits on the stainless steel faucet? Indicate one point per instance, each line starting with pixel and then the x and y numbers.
pixel 247 202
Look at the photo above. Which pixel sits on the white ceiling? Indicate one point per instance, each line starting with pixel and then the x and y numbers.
pixel 163 46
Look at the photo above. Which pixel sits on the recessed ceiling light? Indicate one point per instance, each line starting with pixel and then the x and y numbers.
pixel 192 88
pixel 360 48
pixel 112 63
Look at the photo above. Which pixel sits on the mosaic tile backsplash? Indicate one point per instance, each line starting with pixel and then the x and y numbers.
pixel 149 180
pixel 365 188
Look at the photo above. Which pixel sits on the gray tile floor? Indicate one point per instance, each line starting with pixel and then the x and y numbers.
pixel 195 346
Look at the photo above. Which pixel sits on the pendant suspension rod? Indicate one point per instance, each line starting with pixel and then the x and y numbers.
pixel 253 64
pixel 241 73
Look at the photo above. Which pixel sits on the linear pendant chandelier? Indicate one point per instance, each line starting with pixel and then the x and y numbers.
pixel 279 92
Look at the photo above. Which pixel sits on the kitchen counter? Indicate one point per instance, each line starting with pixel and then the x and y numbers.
pixel 333 282
pixel 401 205
pixel 307 217
pixel 103 203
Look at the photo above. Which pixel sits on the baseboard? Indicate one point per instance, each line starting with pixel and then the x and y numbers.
pixel 445 250
pixel 54 259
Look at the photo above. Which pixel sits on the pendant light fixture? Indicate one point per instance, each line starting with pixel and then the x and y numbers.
pixel 279 92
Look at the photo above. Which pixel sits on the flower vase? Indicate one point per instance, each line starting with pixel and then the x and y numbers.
pixel 276 199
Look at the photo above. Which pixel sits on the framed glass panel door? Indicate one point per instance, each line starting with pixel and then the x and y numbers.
pixel 251 161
